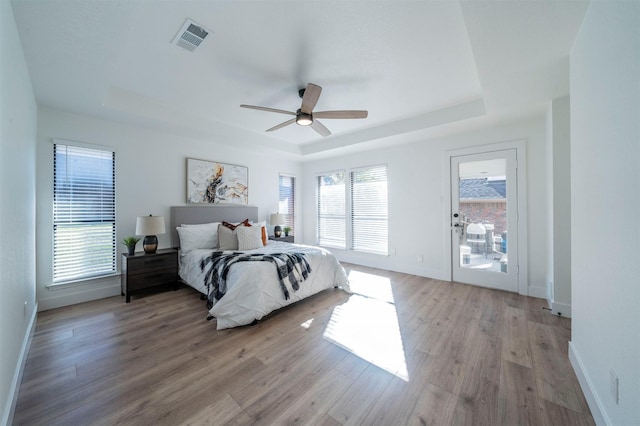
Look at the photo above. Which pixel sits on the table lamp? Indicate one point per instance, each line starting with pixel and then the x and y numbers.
pixel 277 219
pixel 150 226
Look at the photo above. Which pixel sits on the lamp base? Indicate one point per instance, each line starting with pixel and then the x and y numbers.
pixel 150 244
pixel 277 231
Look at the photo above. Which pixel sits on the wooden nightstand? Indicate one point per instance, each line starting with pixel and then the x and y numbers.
pixel 289 239
pixel 141 270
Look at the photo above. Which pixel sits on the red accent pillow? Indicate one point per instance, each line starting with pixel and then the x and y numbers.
pixel 232 226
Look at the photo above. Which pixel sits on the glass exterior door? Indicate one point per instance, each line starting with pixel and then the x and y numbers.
pixel 484 219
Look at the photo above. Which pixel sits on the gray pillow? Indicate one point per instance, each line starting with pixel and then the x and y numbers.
pixel 227 239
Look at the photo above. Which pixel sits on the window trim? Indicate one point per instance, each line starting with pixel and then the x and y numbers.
pixel 295 199
pixel 106 276
pixel 317 208
pixel 350 221
pixel 107 279
pixel 348 213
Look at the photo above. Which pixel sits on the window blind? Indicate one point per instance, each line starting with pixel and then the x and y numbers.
pixel 84 222
pixel 331 210
pixel 286 205
pixel 369 217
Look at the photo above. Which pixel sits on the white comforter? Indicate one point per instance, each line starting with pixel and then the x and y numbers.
pixel 253 289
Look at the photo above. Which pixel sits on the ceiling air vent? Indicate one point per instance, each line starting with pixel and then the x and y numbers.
pixel 190 35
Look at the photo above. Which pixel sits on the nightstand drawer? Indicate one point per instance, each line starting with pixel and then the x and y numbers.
pixel 151 279
pixel 142 264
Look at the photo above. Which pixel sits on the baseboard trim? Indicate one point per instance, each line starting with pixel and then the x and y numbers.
pixel 538 292
pixel 80 297
pixel 597 410
pixel 563 309
pixel 382 262
pixel 12 398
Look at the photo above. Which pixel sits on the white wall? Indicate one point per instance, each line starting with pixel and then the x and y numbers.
pixel 559 200
pixel 17 209
pixel 417 194
pixel 605 205
pixel 150 177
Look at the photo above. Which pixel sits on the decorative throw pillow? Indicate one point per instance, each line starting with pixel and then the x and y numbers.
pixel 227 238
pixel 265 238
pixel 249 237
pixel 196 237
pixel 263 227
pixel 233 226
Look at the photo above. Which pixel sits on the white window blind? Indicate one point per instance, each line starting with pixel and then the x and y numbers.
pixel 84 222
pixel 331 210
pixel 286 205
pixel 369 217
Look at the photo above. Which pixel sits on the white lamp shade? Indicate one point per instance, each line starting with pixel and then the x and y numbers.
pixel 276 219
pixel 150 225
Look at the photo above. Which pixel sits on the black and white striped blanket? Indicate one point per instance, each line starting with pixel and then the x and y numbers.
pixel 292 268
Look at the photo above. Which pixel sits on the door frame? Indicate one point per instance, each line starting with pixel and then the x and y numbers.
pixel 521 205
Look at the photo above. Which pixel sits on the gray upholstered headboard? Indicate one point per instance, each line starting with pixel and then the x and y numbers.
pixel 207 213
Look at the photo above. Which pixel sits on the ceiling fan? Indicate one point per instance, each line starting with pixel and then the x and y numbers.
pixel 305 115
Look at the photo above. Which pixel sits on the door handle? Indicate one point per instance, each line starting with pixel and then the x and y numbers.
pixel 459 228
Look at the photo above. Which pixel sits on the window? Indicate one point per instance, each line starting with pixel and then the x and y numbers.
pixel 369 209
pixel 365 215
pixel 331 210
pixel 287 197
pixel 84 222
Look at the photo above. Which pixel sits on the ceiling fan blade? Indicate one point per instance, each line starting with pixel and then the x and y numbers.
pixel 280 111
pixel 319 127
pixel 281 125
pixel 352 113
pixel 310 98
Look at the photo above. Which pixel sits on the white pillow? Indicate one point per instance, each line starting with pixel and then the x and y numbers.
pixel 201 225
pixel 207 228
pixel 249 237
pixel 262 225
pixel 196 237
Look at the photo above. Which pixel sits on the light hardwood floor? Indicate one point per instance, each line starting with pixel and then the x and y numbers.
pixel 413 351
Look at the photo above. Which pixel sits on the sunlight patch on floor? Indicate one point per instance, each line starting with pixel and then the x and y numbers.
pixel 367 324
pixel 307 323
pixel 370 285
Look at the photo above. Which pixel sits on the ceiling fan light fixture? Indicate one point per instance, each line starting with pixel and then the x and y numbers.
pixel 304 115
pixel 303 119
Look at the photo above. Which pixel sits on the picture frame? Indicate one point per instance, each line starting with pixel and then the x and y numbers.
pixel 211 182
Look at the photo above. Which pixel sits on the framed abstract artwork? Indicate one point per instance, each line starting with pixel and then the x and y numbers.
pixel 213 182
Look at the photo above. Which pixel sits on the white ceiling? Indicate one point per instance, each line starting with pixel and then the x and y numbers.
pixel 420 68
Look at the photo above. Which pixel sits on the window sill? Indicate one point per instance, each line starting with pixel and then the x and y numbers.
pixel 344 250
pixel 82 282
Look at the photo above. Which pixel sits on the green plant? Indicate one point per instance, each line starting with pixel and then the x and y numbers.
pixel 287 229
pixel 130 241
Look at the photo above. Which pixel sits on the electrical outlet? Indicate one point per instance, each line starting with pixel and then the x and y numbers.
pixel 614 386
pixel 392 252
pixel 420 259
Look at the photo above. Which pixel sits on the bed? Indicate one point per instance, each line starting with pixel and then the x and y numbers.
pixel 254 284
